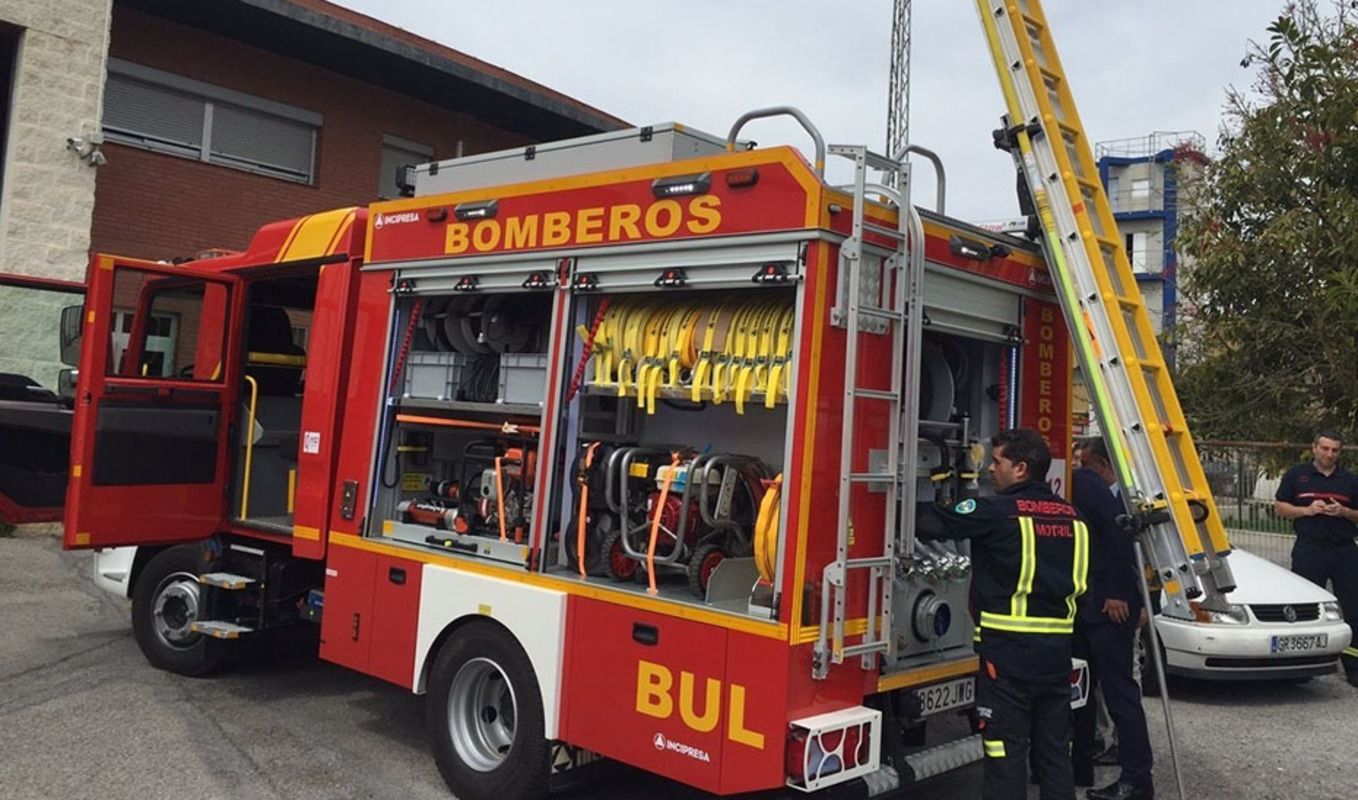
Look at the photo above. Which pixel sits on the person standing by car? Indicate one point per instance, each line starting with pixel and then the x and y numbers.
pixel 1321 499
pixel 1030 558
pixel 1105 632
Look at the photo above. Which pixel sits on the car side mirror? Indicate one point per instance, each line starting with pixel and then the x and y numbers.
pixel 66 380
pixel 72 329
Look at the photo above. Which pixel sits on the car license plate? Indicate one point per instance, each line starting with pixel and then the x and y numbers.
pixel 1300 643
pixel 943 696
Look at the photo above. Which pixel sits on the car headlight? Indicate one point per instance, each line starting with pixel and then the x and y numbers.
pixel 1231 614
pixel 1331 612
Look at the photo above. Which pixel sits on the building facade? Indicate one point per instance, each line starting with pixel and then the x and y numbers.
pixel 1142 177
pixel 52 55
pixel 159 129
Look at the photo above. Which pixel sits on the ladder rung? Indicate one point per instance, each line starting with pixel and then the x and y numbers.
pixel 881 313
pixel 864 648
pixel 876 394
pixel 865 563
pixel 1052 76
pixel 871 477
pixel 1129 302
pixel 880 230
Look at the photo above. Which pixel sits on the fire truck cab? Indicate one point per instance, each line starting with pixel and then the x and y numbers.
pixel 560 442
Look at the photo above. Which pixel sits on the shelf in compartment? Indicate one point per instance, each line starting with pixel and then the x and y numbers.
pixel 508 552
pixel 493 409
pixel 756 398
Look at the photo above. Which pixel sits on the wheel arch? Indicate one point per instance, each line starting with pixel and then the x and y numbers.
pixel 533 617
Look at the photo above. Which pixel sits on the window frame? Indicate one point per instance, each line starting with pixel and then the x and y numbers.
pixel 210 97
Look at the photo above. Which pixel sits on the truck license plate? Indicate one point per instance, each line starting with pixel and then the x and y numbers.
pixel 1300 643
pixel 943 696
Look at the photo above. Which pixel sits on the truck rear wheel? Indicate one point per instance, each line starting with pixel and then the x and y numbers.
pixel 165 603
pixel 485 717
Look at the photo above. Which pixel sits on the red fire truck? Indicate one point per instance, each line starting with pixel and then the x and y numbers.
pixel 602 445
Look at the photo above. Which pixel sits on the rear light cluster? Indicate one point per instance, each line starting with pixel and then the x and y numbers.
pixel 815 757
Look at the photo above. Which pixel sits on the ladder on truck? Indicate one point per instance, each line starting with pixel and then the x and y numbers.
pixel 1157 465
pixel 884 302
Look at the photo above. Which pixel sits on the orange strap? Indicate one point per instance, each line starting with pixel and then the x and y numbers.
pixel 655 522
pixel 584 502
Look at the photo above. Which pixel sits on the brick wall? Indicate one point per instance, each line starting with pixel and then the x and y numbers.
pixel 153 205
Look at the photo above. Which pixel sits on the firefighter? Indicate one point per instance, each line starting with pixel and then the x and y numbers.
pixel 1030 557
pixel 1105 633
pixel 1321 499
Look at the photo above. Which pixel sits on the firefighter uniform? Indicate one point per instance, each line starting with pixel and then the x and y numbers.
pixel 1325 548
pixel 1030 558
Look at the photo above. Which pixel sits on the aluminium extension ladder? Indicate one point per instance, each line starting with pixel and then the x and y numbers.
pixel 1138 411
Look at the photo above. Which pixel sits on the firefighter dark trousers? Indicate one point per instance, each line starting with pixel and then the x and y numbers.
pixel 1015 712
pixel 1108 647
pixel 1338 564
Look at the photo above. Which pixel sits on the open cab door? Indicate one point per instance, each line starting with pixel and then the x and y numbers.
pixel 150 442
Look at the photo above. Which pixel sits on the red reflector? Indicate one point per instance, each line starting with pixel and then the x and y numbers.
pixel 742 177
pixel 436 214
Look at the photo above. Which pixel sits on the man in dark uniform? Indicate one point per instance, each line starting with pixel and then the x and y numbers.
pixel 1105 632
pixel 1320 498
pixel 1030 557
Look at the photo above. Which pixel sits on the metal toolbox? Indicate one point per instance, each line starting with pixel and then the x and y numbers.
pixel 434 376
pixel 523 378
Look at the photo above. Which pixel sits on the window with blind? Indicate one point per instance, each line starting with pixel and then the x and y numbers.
pixel 168 113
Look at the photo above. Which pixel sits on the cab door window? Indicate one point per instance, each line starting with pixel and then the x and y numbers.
pixel 166 327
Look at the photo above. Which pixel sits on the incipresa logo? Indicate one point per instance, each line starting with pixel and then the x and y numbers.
pixel 382 220
pixel 663 743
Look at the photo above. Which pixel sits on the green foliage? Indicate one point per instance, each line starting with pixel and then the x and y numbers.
pixel 1269 345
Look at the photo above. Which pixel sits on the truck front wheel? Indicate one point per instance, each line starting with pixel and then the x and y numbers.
pixel 165 603
pixel 485 717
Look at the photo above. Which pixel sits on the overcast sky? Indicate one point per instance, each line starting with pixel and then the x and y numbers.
pixel 1135 67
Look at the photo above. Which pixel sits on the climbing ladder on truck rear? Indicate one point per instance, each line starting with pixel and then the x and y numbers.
pixel 1157 465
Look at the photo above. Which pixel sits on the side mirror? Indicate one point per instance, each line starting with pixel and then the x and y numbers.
pixel 72 327
pixel 66 380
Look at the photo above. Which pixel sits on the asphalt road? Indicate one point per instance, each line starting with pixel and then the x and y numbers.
pixel 83 716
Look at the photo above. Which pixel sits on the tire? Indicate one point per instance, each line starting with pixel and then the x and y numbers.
pixel 1150 681
pixel 485 718
pixel 705 559
pixel 164 603
pixel 617 564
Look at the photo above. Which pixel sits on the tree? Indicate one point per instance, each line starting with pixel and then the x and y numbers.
pixel 1269 345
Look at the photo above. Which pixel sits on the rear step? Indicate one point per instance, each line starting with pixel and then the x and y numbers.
pixel 226 580
pixel 220 630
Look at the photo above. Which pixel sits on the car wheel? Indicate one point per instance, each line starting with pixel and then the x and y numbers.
pixel 1150 680
pixel 165 604
pixel 485 717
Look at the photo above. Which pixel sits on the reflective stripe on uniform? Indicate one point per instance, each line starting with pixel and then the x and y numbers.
pixel 1351 652
pixel 1080 568
pixel 1018 603
pixel 1016 624
pixel 994 748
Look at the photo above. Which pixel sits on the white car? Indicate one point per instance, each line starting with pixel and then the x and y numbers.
pixel 1279 626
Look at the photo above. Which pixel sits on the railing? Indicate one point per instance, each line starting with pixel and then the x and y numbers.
pixel 1149 145
pixel 1128 200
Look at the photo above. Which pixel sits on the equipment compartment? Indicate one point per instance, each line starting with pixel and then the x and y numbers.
pixel 678 435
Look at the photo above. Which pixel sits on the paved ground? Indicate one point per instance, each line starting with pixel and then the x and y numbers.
pixel 83 716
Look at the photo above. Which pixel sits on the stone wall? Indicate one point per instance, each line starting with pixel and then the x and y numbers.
pixel 47 200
